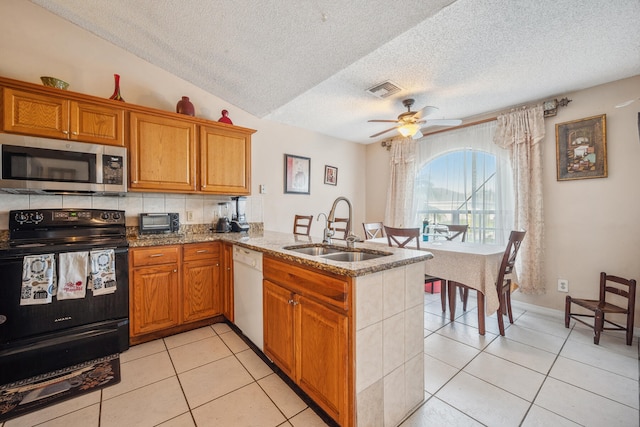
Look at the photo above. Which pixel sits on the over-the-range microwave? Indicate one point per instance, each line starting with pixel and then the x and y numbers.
pixel 50 166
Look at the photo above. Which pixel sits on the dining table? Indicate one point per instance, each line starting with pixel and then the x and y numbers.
pixel 473 264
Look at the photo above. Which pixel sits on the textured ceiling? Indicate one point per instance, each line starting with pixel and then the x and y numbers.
pixel 308 63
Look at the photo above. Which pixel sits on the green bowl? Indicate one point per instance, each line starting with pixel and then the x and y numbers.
pixel 53 82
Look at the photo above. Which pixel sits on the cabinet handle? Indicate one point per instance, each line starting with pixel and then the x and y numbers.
pixel 175 271
pixel 75 133
pixel 155 255
pixel 291 301
pixel 66 132
pixel 202 251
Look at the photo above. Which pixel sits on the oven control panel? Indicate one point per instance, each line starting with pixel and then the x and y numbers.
pixel 33 217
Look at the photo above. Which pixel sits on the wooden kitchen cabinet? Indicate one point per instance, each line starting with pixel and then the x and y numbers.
pixel 162 153
pixel 201 289
pixel 225 159
pixel 174 288
pixel 227 280
pixel 153 289
pixel 47 115
pixel 306 333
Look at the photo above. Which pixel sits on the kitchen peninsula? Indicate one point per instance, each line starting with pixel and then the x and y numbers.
pixel 350 334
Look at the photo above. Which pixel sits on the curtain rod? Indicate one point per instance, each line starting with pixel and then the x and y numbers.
pixel 562 103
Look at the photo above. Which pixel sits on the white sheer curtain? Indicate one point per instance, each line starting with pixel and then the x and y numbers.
pixel 521 132
pixel 399 209
pixel 454 177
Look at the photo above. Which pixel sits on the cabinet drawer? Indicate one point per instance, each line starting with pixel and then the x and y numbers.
pixel 325 287
pixel 155 255
pixel 196 251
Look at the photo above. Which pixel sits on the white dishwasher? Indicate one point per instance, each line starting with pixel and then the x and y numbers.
pixel 247 293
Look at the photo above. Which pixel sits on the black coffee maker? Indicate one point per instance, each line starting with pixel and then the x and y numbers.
pixel 239 219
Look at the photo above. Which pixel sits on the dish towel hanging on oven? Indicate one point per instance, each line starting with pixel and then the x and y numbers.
pixel 103 272
pixel 38 279
pixel 72 277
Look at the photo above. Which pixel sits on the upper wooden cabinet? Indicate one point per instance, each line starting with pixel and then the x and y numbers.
pixel 59 117
pixel 225 160
pixel 162 153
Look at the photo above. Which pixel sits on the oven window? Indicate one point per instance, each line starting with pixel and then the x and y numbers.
pixel 41 164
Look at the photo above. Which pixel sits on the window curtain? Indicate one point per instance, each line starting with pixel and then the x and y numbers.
pixel 479 138
pixel 521 132
pixel 399 209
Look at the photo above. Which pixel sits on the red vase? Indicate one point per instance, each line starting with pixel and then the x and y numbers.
pixel 185 107
pixel 116 92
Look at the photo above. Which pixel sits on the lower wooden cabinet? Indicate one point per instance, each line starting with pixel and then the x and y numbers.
pixel 172 287
pixel 307 333
pixel 201 290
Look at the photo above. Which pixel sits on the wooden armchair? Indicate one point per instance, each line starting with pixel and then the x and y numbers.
pixel 302 224
pixel 614 287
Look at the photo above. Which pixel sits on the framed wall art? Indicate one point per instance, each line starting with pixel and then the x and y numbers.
pixel 581 148
pixel 296 174
pixel 330 175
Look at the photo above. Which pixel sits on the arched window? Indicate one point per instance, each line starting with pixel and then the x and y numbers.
pixel 464 178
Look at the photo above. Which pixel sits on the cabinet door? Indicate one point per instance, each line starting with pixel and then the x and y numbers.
pixel 278 326
pixel 201 291
pixel 32 114
pixel 162 154
pixel 96 123
pixel 227 281
pixel 225 161
pixel 322 342
pixel 154 298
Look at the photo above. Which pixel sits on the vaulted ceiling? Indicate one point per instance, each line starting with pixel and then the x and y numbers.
pixel 308 63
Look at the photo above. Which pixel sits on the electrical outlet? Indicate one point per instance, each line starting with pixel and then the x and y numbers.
pixel 263 189
pixel 563 285
pixel 189 215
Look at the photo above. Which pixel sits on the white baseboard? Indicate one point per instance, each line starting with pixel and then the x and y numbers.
pixel 552 312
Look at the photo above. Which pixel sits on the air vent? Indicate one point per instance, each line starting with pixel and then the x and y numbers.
pixel 384 90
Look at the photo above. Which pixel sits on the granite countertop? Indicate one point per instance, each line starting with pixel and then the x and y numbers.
pixel 272 243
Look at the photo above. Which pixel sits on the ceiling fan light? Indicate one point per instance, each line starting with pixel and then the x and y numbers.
pixel 408 129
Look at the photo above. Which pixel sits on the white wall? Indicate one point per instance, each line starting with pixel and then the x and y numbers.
pixel 35 43
pixel 591 225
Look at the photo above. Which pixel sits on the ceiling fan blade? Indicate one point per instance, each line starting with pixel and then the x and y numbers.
pixel 382 121
pixel 426 111
pixel 418 135
pixel 384 131
pixel 443 122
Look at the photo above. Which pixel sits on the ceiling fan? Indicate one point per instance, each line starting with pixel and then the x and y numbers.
pixel 408 123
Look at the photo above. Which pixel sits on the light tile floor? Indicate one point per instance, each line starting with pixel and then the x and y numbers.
pixel 539 374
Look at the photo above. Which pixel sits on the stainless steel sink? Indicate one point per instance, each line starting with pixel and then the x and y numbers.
pixel 337 253
pixel 313 250
pixel 354 256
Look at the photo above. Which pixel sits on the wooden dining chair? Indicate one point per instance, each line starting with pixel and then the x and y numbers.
pixel 615 288
pixel 503 284
pixel 373 230
pixel 302 224
pixel 401 237
pixel 341 228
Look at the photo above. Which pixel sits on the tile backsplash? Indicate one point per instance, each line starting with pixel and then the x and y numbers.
pixel 202 207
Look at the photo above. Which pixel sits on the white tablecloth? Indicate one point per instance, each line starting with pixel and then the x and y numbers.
pixel 473 264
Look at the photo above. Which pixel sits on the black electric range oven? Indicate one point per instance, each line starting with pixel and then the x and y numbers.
pixel 40 338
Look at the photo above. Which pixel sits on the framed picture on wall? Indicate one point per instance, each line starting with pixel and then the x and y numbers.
pixel 581 148
pixel 296 174
pixel 330 175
